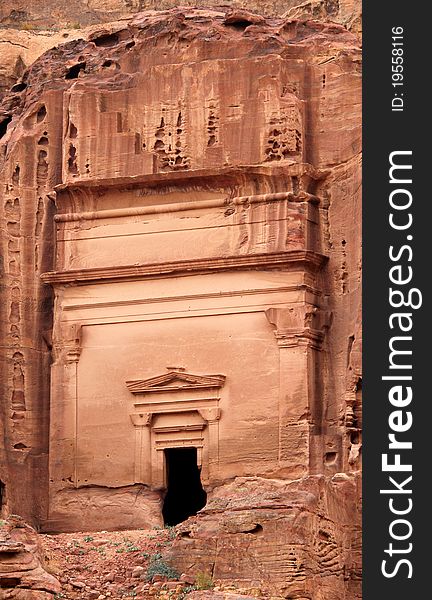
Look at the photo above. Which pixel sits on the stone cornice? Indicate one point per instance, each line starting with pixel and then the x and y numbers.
pixel 277 260
pixel 224 174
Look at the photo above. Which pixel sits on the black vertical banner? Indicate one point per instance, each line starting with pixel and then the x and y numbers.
pixel 397 237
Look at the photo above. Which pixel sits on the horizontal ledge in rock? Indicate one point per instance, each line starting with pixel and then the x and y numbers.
pixel 229 174
pixel 271 260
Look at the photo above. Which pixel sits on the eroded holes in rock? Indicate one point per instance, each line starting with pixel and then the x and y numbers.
pixel 238 23
pixel 75 70
pixel 138 144
pixel 9 582
pixel 16 175
pixel 185 535
pixel 19 87
pixel 20 446
pixel 257 530
pixel 43 141
pixel 106 41
pixel 358 406
pixel 324 535
pixel 355 437
pixel 42 166
pixel 185 495
pixel 41 114
pixel 73 131
pixel 72 165
pixel 330 458
pixel 2 495
pixel 4 125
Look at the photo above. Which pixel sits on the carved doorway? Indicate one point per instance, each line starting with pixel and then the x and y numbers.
pixel 185 495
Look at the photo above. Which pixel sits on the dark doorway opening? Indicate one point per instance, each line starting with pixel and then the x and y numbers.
pixel 185 495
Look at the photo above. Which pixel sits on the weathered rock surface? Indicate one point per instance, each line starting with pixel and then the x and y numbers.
pixel 297 539
pixel 236 139
pixel 22 574
pixel 19 48
pixel 27 29
pixel 18 13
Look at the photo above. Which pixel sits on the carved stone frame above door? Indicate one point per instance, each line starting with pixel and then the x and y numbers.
pixel 174 410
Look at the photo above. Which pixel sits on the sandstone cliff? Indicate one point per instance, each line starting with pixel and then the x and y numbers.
pixel 78 116
pixel 27 29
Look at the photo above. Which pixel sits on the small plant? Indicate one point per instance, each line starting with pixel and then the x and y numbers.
pixel 203 581
pixel 186 590
pixel 120 550
pixel 145 554
pixel 130 546
pixel 158 566
pixel 171 531
pixel 88 538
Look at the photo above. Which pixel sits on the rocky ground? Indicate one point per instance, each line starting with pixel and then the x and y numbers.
pixel 122 564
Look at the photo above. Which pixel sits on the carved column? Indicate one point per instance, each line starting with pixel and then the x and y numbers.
pixel 299 339
pixel 141 422
pixel 210 460
pixel 64 413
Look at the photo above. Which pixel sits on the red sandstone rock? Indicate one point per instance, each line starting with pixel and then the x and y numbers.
pixel 22 575
pixel 293 539
pixel 205 172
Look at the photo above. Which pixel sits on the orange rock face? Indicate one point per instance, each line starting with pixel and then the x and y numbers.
pixel 22 575
pixel 181 292
pixel 298 539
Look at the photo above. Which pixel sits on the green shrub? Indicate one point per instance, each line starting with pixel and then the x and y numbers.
pixel 158 566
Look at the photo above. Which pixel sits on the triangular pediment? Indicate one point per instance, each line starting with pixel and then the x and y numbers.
pixel 175 380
